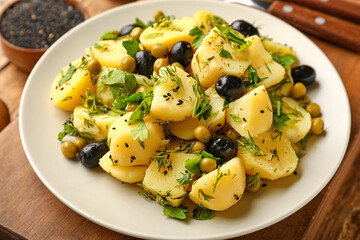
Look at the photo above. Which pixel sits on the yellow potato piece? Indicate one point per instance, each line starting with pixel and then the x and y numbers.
pixel 274 47
pixel 97 125
pixel 126 151
pixel 168 32
pixel 204 20
pixel 169 103
pixel 265 66
pixel 300 118
pixel 109 53
pixel 251 113
pixel 219 190
pixel 68 95
pixel 280 159
pixel 209 66
pixel 163 181
pixel 124 174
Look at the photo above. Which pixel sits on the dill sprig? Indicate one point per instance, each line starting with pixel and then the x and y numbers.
pixel 249 145
pixel 202 108
pixel 253 181
pixel 169 73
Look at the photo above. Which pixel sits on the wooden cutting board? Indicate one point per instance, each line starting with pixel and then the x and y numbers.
pixel 28 208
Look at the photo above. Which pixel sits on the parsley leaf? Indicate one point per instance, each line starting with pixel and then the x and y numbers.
pixel 253 77
pixel 305 140
pixel 175 212
pixel 236 118
pixel 142 24
pixel 140 131
pixel 193 165
pixel 68 75
pixel 71 130
pixel 97 46
pixel 202 213
pixel 142 110
pixel 136 97
pixel 224 54
pixel 111 35
pixel 199 36
pixel 286 60
pixel 131 46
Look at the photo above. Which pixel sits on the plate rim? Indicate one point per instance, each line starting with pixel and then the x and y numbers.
pixel 137 234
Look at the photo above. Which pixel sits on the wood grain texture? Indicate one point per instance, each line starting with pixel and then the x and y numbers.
pixel 349 10
pixel 28 208
pixel 335 30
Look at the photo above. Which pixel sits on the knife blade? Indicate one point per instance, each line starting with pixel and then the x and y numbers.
pixel 324 26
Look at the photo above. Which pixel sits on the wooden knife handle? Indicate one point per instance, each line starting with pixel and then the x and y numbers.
pixel 324 26
pixel 349 10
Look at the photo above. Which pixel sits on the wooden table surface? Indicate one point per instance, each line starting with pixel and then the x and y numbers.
pixel 29 209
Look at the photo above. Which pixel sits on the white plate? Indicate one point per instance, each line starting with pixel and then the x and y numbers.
pixel 104 200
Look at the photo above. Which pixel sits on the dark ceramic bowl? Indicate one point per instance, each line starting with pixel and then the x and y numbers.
pixel 26 58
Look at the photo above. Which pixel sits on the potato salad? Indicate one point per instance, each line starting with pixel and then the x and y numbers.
pixel 194 107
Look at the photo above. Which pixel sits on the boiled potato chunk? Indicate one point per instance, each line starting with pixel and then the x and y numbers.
pixel 265 66
pixel 275 47
pixel 230 183
pixel 164 182
pixel 209 66
pixel 300 120
pixel 168 32
pixel 126 151
pixel 124 174
pixel 97 125
pixel 251 113
pixel 109 52
pixel 68 94
pixel 217 119
pixel 204 20
pixel 185 129
pixel 280 159
pixel 170 102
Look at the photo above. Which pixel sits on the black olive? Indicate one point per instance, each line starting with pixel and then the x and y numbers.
pixel 230 87
pixel 304 74
pixel 221 146
pixel 90 154
pixel 182 53
pixel 144 63
pixel 125 30
pixel 245 28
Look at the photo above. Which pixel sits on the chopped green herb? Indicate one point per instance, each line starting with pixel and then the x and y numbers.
pixel 253 77
pixel 286 60
pixel 140 131
pixel 97 46
pixel 131 46
pixel 199 36
pixel 204 195
pixel 224 54
pixel 249 145
pixel 253 181
pixel 186 179
pixel 111 35
pixel 175 212
pixel 154 35
pixel 202 108
pixel 68 75
pixel 219 175
pixel 142 24
pixel 202 213
pixel 71 130
pixel 235 118
pixel 305 140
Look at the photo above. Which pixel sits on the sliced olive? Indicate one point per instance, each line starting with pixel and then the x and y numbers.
pixel 208 165
pixel 159 63
pixel 202 134
pixel 128 64
pixel 198 146
pixel 182 53
pixel 93 66
pixel 245 28
pixel 136 32
pixel 125 30
pixel 304 74
pixel 230 87
pixel 159 14
pixel 222 147
pixel 159 50
pixel 69 149
pixel 80 143
pixel 298 90
pixel 317 126
pixel 144 63
pixel 313 109
pixel 90 154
